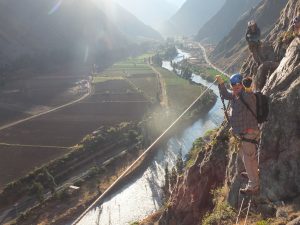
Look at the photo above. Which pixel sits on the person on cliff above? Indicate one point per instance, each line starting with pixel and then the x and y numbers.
pixel 244 127
pixel 253 39
pixel 296 26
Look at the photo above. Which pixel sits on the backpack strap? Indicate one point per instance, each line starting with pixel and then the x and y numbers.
pixel 246 104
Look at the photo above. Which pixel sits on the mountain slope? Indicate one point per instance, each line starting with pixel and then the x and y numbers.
pixel 44 34
pixel 129 25
pixel 230 12
pixel 232 50
pixel 150 12
pixel 191 16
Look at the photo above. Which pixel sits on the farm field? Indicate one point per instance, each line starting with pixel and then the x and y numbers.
pixel 181 93
pixel 113 100
pixel 68 126
pixel 22 160
pixel 125 92
pixel 24 97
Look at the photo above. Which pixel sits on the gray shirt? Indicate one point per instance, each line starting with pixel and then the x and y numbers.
pixel 240 116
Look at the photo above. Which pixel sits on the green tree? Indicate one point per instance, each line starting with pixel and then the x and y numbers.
pixel 37 189
pixel 173 178
pixel 157 60
pixel 186 72
pixel 167 180
pixel 179 163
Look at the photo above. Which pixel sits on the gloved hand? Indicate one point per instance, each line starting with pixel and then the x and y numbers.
pixel 247 82
pixel 219 79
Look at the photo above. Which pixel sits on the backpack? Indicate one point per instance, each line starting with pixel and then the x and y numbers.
pixel 262 107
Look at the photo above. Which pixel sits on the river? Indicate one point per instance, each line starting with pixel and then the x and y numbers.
pixel 143 196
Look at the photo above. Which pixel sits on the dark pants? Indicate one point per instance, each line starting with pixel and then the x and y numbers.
pixel 255 48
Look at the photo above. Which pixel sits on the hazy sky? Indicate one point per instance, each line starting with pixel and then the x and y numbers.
pixel 152 12
pixel 178 3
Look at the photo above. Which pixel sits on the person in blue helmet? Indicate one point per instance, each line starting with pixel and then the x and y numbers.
pixel 244 127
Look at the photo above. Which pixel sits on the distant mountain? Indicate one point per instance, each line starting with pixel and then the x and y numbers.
pixel 130 25
pixel 46 33
pixel 150 12
pixel 191 17
pixel 230 13
pixel 232 50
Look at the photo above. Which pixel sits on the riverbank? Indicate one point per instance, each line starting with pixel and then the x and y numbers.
pixel 199 63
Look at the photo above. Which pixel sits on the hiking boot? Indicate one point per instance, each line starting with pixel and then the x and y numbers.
pixel 249 191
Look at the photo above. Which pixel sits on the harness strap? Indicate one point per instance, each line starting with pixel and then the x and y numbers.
pixel 249 140
pixel 248 107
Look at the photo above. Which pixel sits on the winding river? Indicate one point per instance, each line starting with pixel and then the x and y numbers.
pixel 143 196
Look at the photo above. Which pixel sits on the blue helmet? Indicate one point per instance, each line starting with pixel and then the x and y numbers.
pixel 236 78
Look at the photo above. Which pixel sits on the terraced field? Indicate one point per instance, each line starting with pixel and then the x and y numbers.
pixel 115 98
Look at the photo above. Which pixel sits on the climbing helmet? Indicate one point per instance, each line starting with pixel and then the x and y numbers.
pixel 251 23
pixel 236 79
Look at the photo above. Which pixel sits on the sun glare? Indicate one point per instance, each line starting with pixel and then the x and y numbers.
pixel 107 6
pixel 55 7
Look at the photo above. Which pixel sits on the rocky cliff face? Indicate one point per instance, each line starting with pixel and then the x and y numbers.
pixel 279 151
pixel 191 197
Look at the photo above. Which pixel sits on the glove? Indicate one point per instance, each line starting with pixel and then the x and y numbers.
pixel 219 79
pixel 247 82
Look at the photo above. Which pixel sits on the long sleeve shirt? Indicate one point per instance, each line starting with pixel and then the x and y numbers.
pixel 240 117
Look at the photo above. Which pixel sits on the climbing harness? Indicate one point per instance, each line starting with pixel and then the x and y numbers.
pixel 253 141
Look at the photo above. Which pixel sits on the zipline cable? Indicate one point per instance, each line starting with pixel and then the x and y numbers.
pixel 139 158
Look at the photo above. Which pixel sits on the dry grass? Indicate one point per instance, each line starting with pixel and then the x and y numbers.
pixel 152 219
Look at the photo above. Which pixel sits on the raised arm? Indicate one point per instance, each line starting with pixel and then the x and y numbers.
pixel 223 90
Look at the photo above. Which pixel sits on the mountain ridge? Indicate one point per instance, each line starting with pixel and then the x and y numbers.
pixel 231 11
pixel 190 17
pixel 232 50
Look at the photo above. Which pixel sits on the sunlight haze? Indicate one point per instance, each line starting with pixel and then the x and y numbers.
pixel 152 12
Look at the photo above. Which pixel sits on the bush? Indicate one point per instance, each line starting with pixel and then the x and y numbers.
pixel 38 190
pixel 94 171
pixel 222 214
pixel 135 223
pixel 263 222
pixel 79 182
pixel 62 194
